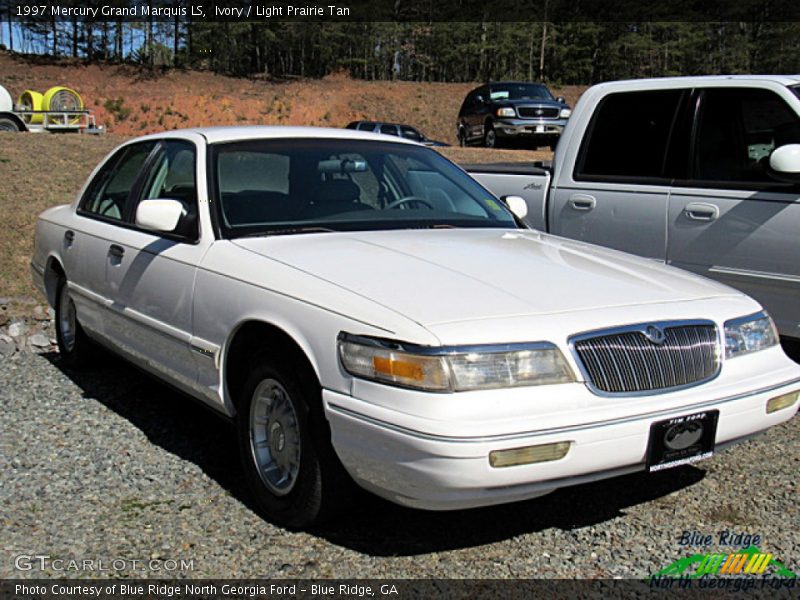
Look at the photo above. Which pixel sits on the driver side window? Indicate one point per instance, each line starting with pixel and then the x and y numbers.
pixel 171 176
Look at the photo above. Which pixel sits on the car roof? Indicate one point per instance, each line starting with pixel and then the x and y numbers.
pixel 214 135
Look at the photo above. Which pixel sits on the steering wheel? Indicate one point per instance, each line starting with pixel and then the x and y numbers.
pixel 408 199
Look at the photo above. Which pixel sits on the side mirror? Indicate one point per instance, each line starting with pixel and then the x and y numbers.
pixel 159 215
pixel 479 99
pixel 784 163
pixel 561 99
pixel 517 205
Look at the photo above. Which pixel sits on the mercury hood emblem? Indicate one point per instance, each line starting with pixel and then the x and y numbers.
pixel 655 334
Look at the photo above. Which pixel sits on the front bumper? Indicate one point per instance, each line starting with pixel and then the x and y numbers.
pixel 529 128
pixel 417 462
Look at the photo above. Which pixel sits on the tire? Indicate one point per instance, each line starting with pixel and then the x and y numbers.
pixel 7 124
pixel 76 349
pixel 284 443
pixel 553 146
pixel 490 137
pixel 462 138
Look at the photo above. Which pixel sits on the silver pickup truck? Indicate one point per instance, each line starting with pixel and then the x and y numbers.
pixel 702 173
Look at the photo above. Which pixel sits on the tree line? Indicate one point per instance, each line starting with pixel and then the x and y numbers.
pixel 562 53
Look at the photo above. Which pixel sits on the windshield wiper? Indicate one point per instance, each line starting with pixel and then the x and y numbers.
pixel 288 231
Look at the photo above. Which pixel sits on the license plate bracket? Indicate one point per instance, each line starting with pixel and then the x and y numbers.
pixel 682 440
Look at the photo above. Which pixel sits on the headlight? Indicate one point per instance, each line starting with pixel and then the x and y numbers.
pixel 506 112
pixel 453 369
pixel 749 334
pixel 565 113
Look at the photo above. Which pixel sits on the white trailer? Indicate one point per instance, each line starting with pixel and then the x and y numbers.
pixel 17 118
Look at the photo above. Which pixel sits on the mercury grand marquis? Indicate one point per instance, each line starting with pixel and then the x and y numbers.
pixel 366 312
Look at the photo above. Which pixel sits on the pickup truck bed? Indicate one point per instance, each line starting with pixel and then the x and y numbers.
pixel 530 181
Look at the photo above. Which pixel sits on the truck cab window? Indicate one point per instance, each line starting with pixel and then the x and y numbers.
pixel 737 130
pixel 628 136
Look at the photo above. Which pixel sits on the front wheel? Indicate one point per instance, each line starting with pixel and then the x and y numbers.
pixel 285 447
pixel 490 137
pixel 462 138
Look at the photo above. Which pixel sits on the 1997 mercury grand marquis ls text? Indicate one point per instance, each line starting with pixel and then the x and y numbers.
pixel 366 311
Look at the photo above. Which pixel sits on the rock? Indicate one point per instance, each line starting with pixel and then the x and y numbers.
pixel 40 314
pixel 4 301
pixel 3 319
pixel 17 328
pixel 39 340
pixel 7 346
pixel 51 314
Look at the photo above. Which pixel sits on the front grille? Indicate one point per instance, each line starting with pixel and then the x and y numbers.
pixel 627 361
pixel 537 112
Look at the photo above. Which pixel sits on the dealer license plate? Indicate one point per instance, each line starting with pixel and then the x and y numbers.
pixel 682 440
pixel 540 129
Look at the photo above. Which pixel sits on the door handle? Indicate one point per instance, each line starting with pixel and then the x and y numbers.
pixel 69 237
pixel 701 211
pixel 582 201
pixel 116 251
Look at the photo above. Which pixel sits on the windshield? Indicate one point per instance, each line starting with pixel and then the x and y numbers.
pixel 284 186
pixel 520 91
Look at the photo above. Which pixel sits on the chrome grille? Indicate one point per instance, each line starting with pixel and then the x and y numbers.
pixel 538 112
pixel 626 361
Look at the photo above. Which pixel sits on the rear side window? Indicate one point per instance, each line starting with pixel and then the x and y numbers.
pixel 388 129
pixel 107 195
pixel 628 136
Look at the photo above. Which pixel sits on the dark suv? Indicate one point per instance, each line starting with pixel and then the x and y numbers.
pixel 512 111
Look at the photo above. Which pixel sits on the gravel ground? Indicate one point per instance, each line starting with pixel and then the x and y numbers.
pixel 112 465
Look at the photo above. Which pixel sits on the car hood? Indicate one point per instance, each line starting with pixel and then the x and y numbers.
pixel 449 275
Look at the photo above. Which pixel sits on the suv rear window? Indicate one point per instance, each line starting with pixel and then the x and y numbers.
pixel 627 137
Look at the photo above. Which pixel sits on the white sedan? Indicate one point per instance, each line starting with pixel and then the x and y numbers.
pixel 367 312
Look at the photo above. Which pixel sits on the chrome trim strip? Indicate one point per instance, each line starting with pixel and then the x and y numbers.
pixel 755 274
pixel 747 318
pixel 389 344
pixel 641 328
pixel 87 293
pixel 151 323
pixel 555 430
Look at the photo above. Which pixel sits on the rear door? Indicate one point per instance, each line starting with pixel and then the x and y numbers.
pixel 728 218
pixel 92 243
pixel 616 196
